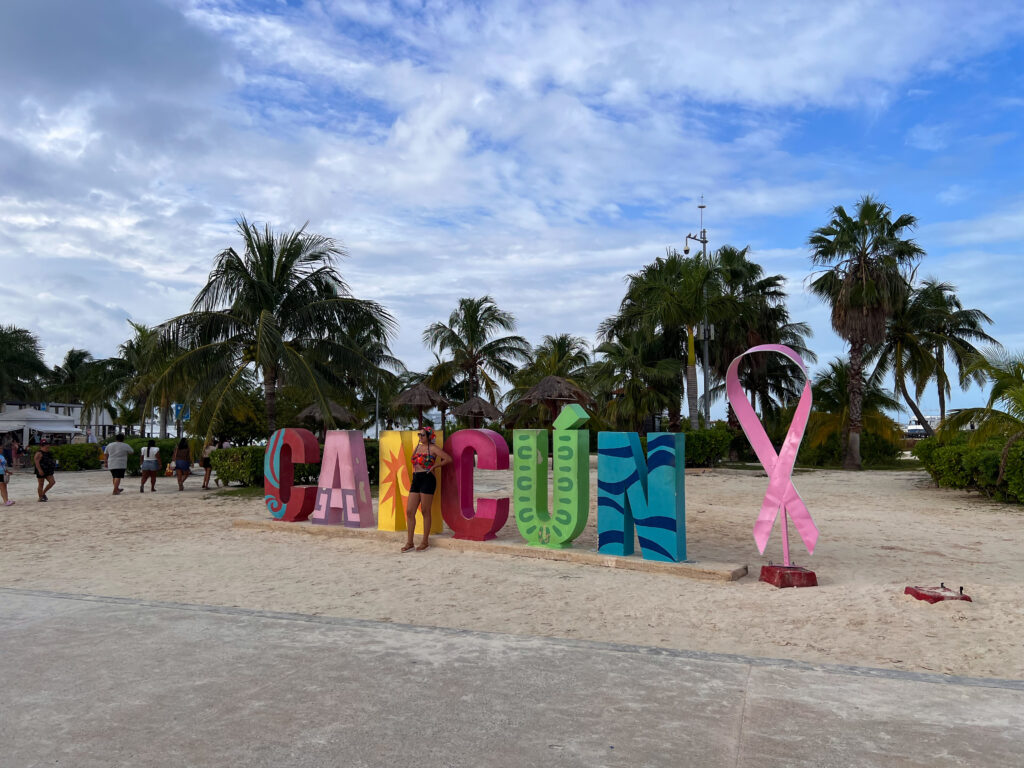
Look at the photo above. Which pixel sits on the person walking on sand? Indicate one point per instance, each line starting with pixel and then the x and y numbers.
pixel 426 457
pixel 3 480
pixel 150 466
pixel 207 463
pixel 182 463
pixel 44 465
pixel 117 461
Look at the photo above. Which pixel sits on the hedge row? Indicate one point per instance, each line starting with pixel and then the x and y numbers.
pixel 244 465
pixel 959 464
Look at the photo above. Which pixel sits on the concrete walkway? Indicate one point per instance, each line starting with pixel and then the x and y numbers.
pixel 92 681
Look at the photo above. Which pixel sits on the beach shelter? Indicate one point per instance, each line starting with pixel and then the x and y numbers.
pixel 314 413
pixel 554 392
pixel 421 397
pixel 27 420
pixel 477 408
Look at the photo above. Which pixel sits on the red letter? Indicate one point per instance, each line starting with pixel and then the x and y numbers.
pixel 457 485
pixel 288 447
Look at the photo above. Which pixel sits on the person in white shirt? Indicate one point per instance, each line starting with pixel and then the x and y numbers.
pixel 117 461
pixel 150 466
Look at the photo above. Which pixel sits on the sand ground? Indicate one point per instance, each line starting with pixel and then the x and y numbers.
pixel 880 531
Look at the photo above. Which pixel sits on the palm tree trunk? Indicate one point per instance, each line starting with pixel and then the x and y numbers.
pixel 691 379
pixel 928 431
pixel 270 398
pixel 675 407
pixel 852 458
pixel 165 417
pixel 940 364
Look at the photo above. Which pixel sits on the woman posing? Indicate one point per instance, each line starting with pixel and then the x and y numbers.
pixel 150 466
pixel 425 459
pixel 182 463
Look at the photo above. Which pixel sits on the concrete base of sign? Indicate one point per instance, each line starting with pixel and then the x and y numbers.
pixel 936 594
pixel 788 576
pixel 701 571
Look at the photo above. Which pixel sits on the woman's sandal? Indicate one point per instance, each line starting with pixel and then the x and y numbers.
pixel 407 547
pixel 422 547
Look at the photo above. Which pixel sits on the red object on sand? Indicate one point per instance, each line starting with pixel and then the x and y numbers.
pixel 788 576
pixel 936 594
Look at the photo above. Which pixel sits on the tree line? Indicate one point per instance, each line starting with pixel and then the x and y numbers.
pixel 276 328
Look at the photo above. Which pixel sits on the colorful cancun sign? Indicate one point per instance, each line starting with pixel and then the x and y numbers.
pixel 635 492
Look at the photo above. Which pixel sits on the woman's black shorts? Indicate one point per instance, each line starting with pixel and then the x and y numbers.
pixel 423 482
pixel 117 473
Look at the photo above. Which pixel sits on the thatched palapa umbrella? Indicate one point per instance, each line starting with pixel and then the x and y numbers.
pixel 420 396
pixel 477 408
pixel 554 392
pixel 341 414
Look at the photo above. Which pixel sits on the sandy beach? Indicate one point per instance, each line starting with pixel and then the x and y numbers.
pixel 880 531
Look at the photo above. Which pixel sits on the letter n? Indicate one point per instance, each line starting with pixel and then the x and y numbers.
pixel 645 494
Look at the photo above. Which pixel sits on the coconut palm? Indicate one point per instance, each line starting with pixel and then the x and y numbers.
pixel 280 311
pixel 563 355
pixel 865 256
pixel 1005 371
pixel 471 351
pixel 955 332
pixel 669 298
pixel 830 390
pixel 69 380
pixel 633 380
pixel 21 363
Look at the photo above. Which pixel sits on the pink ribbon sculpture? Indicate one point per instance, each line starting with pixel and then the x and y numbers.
pixel 781 495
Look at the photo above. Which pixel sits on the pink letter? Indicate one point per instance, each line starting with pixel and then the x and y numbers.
pixel 344 493
pixel 457 485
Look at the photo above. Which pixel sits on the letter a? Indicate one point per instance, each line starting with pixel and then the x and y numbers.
pixel 344 493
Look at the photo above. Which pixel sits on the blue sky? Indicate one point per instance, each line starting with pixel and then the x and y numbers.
pixel 537 152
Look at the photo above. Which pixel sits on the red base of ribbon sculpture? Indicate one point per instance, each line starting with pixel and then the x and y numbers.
pixel 781 496
pixel 936 594
pixel 782 576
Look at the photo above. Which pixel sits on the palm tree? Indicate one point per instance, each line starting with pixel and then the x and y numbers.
pixel 759 316
pixel 832 412
pixel 470 351
pixel 866 257
pixel 21 363
pixel 633 380
pixel 669 298
pixel 908 348
pixel 1006 373
pixel 954 333
pixel 563 355
pixel 69 380
pixel 279 310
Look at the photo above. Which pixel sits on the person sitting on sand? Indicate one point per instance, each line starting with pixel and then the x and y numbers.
pixel 150 466
pixel 45 465
pixel 3 480
pixel 182 463
pixel 117 461
pixel 425 459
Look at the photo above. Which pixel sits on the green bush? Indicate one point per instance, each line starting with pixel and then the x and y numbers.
pixel 72 458
pixel 244 465
pixel 957 463
pixel 707 447
pixel 875 450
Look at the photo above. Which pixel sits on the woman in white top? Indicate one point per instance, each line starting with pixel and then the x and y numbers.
pixel 150 466
pixel 207 463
